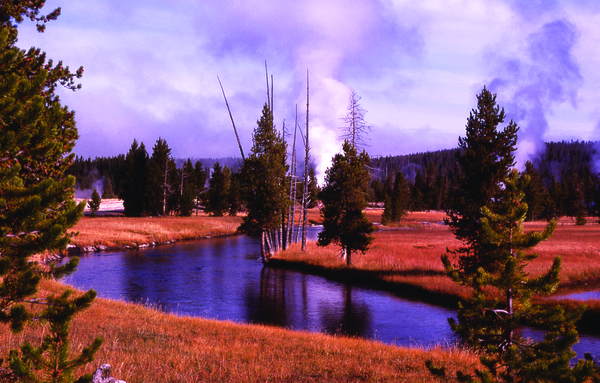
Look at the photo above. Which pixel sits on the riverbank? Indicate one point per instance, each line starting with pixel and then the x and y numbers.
pixel 145 345
pixel 405 259
pixel 117 232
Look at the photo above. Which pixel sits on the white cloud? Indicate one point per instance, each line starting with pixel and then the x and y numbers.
pixel 151 68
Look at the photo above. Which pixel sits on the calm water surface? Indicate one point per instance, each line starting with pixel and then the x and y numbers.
pixel 223 278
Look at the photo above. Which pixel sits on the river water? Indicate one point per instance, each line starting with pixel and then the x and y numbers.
pixel 223 278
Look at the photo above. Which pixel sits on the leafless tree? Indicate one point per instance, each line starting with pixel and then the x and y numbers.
pixel 356 128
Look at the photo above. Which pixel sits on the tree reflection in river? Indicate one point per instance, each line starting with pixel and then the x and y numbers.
pixel 347 316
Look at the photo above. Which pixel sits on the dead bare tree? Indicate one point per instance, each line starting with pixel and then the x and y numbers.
pixel 357 129
pixel 233 123
pixel 293 184
pixel 306 159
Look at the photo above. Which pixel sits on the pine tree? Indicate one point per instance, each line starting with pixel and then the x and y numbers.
pixel 344 198
pixel 108 191
pixel 417 200
pixel 492 325
pixel 188 189
pixel 313 188
pixel 264 184
pixel 135 181
pixel 36 196
pixel 534 192
pixel 397 201
pixel 234 195
pixel 199 183
pixel 94 203
pixel 485 157
pixel 159 187
pixel 218 191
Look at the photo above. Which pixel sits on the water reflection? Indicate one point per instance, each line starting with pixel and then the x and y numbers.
pixel 223 278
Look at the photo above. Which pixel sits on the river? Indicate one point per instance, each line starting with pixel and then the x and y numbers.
pixel 223 278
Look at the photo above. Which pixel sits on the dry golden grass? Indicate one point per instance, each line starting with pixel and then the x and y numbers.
pixel 408 254
pixel 145 345
pixel 120 232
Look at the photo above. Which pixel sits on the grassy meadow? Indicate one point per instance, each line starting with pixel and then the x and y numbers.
pixel 145 345
pixel 405 257
pixel 121 232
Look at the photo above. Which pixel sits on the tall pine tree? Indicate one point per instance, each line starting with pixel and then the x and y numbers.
pixel 485 157
pixel 134 188
pixel 492 324
pixel 263 180
pixel 344 198
pixel 36 197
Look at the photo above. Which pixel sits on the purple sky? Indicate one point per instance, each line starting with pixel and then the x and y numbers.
pixel 151 69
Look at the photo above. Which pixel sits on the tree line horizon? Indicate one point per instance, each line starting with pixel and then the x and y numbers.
pixel 564 182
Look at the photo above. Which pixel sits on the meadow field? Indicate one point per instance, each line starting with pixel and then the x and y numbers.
pixel 145 345
pixel 406 258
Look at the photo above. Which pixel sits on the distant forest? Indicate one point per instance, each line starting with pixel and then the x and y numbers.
pixel 564 178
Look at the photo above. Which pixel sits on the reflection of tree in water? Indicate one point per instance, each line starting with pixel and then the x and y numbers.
pixel 268 305
pixel 348 318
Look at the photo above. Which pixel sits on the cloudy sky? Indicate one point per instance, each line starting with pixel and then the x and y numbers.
pixel 151 69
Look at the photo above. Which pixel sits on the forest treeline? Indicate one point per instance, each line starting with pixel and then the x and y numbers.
pixel 155 183
pixel 564 180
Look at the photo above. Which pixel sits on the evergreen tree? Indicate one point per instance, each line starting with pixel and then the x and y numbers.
pixel 218 191
pixel 36 196
pixel 417 202
pixel 159 187
pixel 199 182
pixel 534 192
pixel 264 186
pixel 188 189
pixel 492 325
pixel 397 201
pixel 94 203
pixel 134 184
pixel 313 188
pixel 108 191
pixel 344 199
pixel 377 191
pixel 234 195
pixel 484 158
pixel 172 188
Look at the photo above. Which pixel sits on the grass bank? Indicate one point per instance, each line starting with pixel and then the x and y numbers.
pixel 115 232
pixel 146 345
pixel 405 258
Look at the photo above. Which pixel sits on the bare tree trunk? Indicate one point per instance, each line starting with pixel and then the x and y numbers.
pixel 268 235
pixel 263 250
pixel 293 183
pixel 268 95
pixel 165 187
pixel 232 123
pixel 306 159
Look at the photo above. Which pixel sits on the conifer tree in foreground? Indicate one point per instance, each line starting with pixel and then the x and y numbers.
pixel 263 180
pixel 485 157
pixel 487 216
pixel 344 198
pixel 491 324
pixel 36 200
